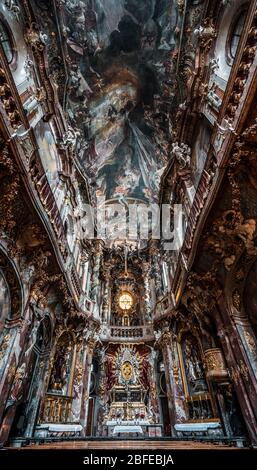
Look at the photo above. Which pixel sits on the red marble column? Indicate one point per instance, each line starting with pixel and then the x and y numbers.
pixel 175 394
pixel 16 373
pixel 18 337
pixel 240 370
pixel 88 357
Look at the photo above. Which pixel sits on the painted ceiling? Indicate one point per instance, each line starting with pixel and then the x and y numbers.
pixel 121 92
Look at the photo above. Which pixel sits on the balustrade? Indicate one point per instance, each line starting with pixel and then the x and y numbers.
pixel 123 332
pixel 57 409
pixel 129 333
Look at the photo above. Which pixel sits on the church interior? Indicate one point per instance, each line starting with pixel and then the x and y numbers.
pixel 117 337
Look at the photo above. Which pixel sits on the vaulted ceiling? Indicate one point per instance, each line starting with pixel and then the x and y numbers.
pixel 116 63
pixel 120 58
pixel 123 57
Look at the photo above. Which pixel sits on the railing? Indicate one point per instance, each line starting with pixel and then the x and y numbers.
pixel 200 407
pixel 128 332
pixel 235 441
pixel 48 201
pixel 57 409
pixel 196 209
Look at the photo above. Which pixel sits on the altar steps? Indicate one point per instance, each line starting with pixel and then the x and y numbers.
pixel 149 445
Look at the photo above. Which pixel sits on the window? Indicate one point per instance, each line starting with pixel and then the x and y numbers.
pixel 236 33
pixel 125 301
pixel 6 42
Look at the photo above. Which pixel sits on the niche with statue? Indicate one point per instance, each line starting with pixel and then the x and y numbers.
pixel 198 396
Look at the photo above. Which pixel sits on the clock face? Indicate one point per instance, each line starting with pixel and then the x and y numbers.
pixel 125 301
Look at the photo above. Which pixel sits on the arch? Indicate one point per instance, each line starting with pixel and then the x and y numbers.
pixel 8 43
pixel 222 46
pixel 235 31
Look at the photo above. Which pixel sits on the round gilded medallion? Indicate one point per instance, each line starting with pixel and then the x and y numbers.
pixel 127 370
pixel 125 301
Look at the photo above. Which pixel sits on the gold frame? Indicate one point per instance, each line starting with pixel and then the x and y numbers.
pixel 189 397
pixel 121 294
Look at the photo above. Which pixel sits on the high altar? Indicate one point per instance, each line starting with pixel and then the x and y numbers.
pixel 130 405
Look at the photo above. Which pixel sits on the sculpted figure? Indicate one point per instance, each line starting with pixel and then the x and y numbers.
pixel 182 153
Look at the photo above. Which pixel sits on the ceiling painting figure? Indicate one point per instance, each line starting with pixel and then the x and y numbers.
pixel 121 93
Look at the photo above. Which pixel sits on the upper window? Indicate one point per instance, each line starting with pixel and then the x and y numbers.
pixel 236 33
pixel 125 301
pixel 6 42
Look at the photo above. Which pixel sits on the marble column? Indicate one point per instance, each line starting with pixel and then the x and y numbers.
pixel 37 394
pixel 148 305
pixel 12 345
pixel 240 372
pixel 106 296
pixel 96 287
pixel 156 267
pixel 87 361
pixel 249 343
pixel 15 374
pixel 78 377
pixel 175 393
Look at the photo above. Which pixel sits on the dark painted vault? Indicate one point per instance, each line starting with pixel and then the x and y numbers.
pixel 121 91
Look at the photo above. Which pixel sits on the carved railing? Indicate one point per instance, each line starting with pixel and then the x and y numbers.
pixel 200 407
pixel 57 409
pixel 75 281
pixel 196 209
pixel 128 332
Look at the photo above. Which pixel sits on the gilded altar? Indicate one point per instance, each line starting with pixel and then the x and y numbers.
pixel 128 405
pixel 128 396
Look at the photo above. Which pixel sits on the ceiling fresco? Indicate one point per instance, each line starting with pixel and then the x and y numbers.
pixel 120 92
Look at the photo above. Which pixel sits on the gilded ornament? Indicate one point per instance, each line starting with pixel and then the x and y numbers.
pixel 250 343
pixel 215 364
pixel 127 370
pixel 236 298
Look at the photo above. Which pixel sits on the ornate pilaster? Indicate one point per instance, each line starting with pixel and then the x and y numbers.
pixel 249 343
pixel 238 368
pixel 95 288
pixel 148 306
pixel 15 373
pixel 167 344
pixel 90 343
pixel 156 267
pixel 106 295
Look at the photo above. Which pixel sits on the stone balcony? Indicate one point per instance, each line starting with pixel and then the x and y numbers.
pixel 127 333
